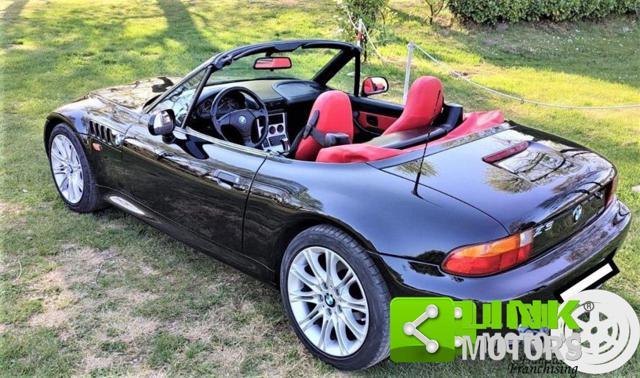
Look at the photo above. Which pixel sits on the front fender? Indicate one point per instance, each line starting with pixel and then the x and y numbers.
pixel 74 115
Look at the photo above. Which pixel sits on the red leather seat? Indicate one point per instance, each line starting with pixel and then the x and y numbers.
pixel 424 104
pixel 334 115
pixel 356 153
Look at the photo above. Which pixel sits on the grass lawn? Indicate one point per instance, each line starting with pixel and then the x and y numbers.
pixel 105 294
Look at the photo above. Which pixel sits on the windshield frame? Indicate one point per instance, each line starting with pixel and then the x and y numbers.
pixel 346 52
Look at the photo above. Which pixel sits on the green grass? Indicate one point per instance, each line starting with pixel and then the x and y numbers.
pixel 36 352
pixel 104 294
pixel 164 348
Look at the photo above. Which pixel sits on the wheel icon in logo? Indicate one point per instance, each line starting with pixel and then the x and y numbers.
pixel 609 332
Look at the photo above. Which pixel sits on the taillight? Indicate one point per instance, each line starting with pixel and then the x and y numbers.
pixel 611 191
pixel 490 258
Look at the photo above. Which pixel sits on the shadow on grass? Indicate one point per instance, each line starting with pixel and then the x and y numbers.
pixel 182 27
pixel 92 53
pixel 13 10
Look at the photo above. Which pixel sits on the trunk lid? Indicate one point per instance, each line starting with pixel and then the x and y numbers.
pixel 554 185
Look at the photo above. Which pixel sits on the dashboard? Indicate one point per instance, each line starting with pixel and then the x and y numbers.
pixel 231 102
pixel 285 100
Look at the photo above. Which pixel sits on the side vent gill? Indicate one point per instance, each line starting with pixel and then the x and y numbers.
pixel 101 132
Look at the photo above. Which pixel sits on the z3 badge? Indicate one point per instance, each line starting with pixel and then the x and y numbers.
pixel 543 228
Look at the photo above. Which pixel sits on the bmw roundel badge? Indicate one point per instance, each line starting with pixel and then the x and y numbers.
pixel 577 213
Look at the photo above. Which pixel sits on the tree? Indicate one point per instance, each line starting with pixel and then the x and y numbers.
pixel 435 7
pixel 372 13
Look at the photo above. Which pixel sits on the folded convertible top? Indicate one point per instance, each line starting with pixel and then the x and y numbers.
pixel 364 152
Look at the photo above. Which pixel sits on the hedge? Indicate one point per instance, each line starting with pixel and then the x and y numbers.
pixel 492 11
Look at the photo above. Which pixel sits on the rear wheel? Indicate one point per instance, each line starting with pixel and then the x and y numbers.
pixel 71 173
pixel 336 298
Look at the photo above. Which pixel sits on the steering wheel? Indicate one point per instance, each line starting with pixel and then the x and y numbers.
pixel 243 120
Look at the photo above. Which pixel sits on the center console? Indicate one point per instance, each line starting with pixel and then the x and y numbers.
pixel 276 132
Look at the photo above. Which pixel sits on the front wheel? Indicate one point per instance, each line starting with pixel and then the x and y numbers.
pixel 336 298
pixel 71 172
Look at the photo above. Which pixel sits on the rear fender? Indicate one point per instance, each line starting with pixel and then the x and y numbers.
pixel 378 209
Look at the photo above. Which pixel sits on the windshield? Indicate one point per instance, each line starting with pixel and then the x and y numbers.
pixel 305 63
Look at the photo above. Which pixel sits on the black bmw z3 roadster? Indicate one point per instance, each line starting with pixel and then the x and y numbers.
pixel 275 159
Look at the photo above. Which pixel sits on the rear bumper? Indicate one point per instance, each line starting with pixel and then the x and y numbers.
pixel 541 278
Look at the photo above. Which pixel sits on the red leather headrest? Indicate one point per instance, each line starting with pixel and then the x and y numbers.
pixel 424 104
pixel 335 116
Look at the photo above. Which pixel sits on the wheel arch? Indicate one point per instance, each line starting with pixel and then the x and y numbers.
pixel 72 118
pixel 296 227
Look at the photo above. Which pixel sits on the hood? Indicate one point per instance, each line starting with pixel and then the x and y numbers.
pixel 136 94
pixel 545 180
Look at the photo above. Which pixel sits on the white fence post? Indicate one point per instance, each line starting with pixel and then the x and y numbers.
pixel 407 72
pixel 360 33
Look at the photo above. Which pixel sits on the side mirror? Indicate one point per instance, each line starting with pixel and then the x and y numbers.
pixel 162 122
pixel 374 85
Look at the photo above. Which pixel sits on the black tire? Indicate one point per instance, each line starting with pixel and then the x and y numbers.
pixel 91 199
pixel 375 348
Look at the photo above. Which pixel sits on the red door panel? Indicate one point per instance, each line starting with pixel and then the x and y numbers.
pixel 377 121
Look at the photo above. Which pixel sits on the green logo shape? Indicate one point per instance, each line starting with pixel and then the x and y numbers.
pixel 430 329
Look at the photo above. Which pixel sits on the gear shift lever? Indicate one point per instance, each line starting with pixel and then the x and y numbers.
pixel 285 144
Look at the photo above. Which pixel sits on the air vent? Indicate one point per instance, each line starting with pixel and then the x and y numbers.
pixel 101 132
pixel 276 105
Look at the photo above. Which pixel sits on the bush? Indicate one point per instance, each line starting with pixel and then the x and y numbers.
pixel 492 11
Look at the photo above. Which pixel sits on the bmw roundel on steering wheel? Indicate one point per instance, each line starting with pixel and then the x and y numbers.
pixel 244 121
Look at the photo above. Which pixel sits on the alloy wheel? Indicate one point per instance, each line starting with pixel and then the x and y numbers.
pixel 327 301
pixel 66 168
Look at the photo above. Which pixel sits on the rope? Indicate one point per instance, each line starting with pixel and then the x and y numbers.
pixel 516 98
pixel 458 75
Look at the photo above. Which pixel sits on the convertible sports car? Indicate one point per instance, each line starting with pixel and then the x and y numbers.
pixel 340 200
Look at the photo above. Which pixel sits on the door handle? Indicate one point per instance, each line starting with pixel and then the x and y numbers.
pixel 372 120
pixel 228 178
